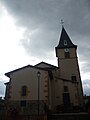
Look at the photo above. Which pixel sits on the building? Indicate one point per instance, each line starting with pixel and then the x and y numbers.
pixel 47 87
pixel 86 99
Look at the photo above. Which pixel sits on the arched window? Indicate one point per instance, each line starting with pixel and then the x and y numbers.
pixel 65 42
pixel 24 90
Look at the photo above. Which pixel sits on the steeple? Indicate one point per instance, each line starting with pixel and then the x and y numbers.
pixel 65 41
pixel 66 53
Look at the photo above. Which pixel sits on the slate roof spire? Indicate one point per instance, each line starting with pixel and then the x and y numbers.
pixel 65 41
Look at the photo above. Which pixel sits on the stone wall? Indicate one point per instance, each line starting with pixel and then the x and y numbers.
pixel 31 107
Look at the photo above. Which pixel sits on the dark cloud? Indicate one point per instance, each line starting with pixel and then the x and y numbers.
pixel 40 43
pixel 41 19
pixel 44 16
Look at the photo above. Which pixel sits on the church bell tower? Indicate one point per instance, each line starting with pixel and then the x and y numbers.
pixel 69 73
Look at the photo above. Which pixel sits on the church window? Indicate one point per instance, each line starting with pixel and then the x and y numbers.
pixel 24 91
pixel 50 75
pixel 67 55
pixel 45 90
pixel 65 88
pixel 73 78
pixel 65 42
pixel 23 103
pixel 56 80
pixel 46 96
pixel 46 85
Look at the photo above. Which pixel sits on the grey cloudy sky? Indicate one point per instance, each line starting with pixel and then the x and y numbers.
pixel 40 20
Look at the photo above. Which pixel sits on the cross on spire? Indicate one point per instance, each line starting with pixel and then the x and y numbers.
pixel 62 22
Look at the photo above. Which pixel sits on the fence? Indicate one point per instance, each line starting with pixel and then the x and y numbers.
pixel 69 116
pixel 23 117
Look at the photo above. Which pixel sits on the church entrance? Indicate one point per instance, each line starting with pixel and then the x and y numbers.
pixel 66 99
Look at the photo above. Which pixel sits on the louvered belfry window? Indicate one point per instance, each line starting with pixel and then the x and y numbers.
pixel 73 78
pixel 67 55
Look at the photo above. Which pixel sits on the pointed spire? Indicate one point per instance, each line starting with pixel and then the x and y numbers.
pixel 65 41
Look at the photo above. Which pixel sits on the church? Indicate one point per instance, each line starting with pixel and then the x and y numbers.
pixel 45 87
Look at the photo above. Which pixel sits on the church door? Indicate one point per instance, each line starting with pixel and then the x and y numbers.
pixel 66 99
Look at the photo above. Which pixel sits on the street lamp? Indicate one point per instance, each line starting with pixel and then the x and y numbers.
pixel 38 76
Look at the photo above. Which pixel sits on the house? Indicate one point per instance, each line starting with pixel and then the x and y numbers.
pixel 86 99
pixel 43 87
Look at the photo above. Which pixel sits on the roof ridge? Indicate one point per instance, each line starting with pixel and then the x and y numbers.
pixel 45 63
pixel 8 73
